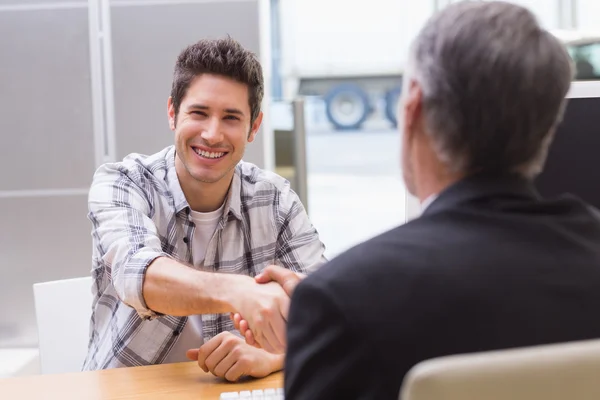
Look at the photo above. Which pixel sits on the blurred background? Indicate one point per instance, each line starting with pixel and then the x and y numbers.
pixel 85 82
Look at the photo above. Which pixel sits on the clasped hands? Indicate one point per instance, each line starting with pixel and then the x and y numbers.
pixel 261 318
pixel 267 330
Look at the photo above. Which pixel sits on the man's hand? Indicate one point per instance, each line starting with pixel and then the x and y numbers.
pixel 227 356
pixel 286 279
pixel 265 308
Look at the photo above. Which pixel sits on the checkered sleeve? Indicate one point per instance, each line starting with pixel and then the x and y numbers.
pixel 299 247
pixel 124 236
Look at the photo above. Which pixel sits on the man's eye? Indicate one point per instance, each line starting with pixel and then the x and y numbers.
pixel 232 117
pixel 199 113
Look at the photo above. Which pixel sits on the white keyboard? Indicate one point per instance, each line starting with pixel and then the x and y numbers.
pixel 267 394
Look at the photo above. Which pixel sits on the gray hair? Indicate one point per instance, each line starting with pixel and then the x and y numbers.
pixel 494 85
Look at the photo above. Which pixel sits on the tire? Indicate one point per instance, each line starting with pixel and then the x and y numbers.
pixel 391 105
pixel 347 106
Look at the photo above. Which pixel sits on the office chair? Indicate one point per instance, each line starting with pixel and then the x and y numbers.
pixel 566 371
pixel 63 309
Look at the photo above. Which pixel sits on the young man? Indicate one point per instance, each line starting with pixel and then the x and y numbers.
pixel 489 264
pixel 178 235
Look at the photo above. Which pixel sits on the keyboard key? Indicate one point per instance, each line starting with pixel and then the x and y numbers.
pixel 257 394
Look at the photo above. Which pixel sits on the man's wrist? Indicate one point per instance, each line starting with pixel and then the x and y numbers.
pixel 276 361
pixel 232 290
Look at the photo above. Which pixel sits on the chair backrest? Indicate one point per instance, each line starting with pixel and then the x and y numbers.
pixel 63 310
pixel 550 372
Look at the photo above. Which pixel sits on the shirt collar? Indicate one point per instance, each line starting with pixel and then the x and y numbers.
pixel 233 202
pixel 427 202
pixel 179 200
pixel 234 199
pixel 480 186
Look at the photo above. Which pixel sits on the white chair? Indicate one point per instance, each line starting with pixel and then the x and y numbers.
pixel 63 310
pixel 567 371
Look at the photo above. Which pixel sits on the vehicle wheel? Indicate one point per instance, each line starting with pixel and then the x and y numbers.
pixel 391 105
pixel 347 106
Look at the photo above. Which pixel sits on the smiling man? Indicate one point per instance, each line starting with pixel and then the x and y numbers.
pixel 178 235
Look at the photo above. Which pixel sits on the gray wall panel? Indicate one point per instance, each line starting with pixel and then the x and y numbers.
pixel 49 238
pixel 144 55
pixel 47 120
pixel 39 2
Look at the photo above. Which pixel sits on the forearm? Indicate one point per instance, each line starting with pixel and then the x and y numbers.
pixel 173 288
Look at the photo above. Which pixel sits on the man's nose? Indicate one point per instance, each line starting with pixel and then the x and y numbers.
pixel 212 132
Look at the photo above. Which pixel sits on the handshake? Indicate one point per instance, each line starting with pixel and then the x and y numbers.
pixel 262 320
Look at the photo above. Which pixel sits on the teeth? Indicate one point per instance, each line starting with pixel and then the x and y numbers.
pixel 207 154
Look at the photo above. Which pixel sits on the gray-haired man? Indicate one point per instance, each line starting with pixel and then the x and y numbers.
pixel 489 264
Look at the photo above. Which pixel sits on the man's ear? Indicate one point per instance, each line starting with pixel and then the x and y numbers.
pixel 412 107
pixel 255 126
pixel 171 114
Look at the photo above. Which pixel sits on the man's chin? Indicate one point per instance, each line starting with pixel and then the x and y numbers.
pixel 211 176
pixel 206 178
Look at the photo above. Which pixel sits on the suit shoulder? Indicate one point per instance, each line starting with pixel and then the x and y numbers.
pixel 401 252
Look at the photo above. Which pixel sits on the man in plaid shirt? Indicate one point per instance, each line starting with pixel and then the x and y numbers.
pixel 179 235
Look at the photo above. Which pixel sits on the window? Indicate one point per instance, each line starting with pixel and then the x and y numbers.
pixel 587 60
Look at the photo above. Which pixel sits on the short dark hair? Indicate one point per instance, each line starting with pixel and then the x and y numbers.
pixel 225 57
pixel 494 85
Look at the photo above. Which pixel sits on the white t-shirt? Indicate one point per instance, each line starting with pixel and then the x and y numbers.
pixel 191 336
pixel 427 202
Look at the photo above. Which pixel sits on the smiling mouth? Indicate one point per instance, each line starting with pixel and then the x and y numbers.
pixel 210 155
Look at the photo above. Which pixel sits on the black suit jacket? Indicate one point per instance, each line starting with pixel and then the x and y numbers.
pixel 489 265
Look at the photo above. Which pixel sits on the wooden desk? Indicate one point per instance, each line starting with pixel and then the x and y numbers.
pixel 169 381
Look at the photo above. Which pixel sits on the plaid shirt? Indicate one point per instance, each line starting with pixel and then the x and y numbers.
pixel 139 212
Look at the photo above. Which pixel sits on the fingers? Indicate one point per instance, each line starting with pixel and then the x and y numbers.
pixel 233 359
pixel 284 307
pixel 272 273
pixel 222 366
pixel 237 318
pixel 259 336
pixel 250 339
pixel 266 312
pixel 242 326
pixel 226 343
pixel 247 333
pixel 286 278
pixel 300 275
pixel 230 359
pixel 269 339
pixel 270 325
pixel 192 354
pixel 235 372
pixel 208 348
pixel 275 335
pixel 278 326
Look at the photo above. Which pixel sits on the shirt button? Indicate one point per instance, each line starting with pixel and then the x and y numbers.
pixel 186 240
